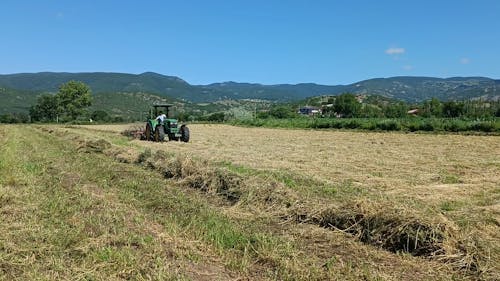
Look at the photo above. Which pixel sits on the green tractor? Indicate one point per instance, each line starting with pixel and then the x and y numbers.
pixel 160 126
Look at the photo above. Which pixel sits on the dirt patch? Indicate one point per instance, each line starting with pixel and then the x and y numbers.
pixel 207 272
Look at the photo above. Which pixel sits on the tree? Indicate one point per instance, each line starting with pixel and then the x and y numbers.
pixel 453 109
pixel 396 110
pixel 183 116
pixel 347 105
pixel 70 102
pixel 432 108
pixel 14 118
pixel 216 117
pixel 74 97
pixel 46 108
pixel 281 112
pixel 262 115
pixel 100 115
pixel 370 111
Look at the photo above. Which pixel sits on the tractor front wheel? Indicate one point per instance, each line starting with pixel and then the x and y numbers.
pixel 159 133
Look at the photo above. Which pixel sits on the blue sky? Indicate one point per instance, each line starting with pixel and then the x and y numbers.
pixel 328 42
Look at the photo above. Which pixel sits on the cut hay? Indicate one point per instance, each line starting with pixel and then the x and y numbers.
pixel 123 155
pixel 387 230
pixel 90 146
pixel 195 174
pixel 398 231
pixel 199 174
pixel 386 222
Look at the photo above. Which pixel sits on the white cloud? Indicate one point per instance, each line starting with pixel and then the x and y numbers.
pixel 395 51
pixel 464 60
pixel 408 67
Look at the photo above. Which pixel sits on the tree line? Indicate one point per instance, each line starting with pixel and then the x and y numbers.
pixel 68 104
pixel 351 106
pixel 73 99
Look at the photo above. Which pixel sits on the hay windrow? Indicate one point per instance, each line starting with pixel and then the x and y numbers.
pixel 398 231
pixel 204 176
pixel 391 227
pixel 195 174
pixel 89 146
pixel 387 230
pixel 371 223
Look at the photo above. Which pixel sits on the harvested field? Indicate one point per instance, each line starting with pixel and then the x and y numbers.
pixel 455 178
pixel 425 166
pixel 301 204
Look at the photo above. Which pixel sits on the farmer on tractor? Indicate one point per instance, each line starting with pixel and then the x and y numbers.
pixel 164 127
pixel 161 118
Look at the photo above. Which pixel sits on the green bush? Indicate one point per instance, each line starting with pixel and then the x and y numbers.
pixel 389 125
pixel 352 124
pixel 369 125
pixel 455 126
pixel 381 124
pixel 482 126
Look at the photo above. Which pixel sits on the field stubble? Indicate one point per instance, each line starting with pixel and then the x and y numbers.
pixel 446 183
pixel 425 166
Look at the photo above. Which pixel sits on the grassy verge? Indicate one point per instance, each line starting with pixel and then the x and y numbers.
pixel 71 215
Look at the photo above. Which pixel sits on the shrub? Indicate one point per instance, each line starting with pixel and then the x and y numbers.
pixel 384 124
pixel 352 124
pixel 389 125
pixel 483 126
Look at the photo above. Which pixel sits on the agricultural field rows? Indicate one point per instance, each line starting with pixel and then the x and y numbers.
pixel 423 166
pixel 248 204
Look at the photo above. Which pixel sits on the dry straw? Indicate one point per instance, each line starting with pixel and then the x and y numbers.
pixel 392 226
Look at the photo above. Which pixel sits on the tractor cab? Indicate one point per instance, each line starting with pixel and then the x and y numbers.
pixel 160 124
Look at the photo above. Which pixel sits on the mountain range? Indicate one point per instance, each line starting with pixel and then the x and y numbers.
pixel 18 91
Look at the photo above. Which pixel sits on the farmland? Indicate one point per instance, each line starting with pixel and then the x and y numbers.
pixel 248 203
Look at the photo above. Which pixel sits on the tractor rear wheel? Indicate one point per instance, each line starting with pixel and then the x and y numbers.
pixel 149 132
pixel 184 133
pixel 159 133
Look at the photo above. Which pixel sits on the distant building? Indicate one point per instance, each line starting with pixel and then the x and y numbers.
pixel 360 98
pixel 413 111
pixel 309 110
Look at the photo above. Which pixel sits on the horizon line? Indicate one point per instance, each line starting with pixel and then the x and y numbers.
pixel 239 82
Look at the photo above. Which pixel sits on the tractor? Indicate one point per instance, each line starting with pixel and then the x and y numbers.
pixel 159 127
